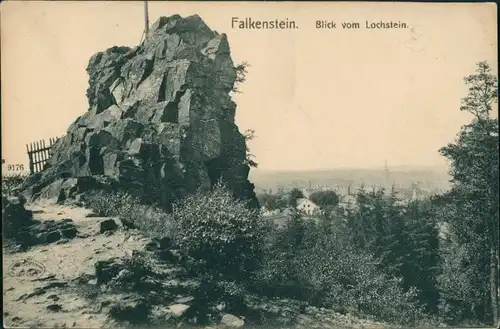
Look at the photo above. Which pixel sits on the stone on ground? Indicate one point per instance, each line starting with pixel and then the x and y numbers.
pixel 232 321
pixel 108 225
pixel 178 310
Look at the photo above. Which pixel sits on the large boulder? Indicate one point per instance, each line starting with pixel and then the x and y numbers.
pixel 160 119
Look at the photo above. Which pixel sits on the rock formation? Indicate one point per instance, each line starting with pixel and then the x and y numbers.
pixel 160 121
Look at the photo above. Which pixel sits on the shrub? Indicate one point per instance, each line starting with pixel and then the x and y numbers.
pixel 107 204
pixel 12 183
pixel 282 248
pixel 220 235
pixel 462 288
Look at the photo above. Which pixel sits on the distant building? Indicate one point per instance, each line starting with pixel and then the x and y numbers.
pixel 306 206
pixel 313 188
pixel 266 212
pixel 414 195
pixel 387 175
pixel 347 199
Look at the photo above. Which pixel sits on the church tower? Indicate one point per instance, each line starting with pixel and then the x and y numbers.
pixel 387 175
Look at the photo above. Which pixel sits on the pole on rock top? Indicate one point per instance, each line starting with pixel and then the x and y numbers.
pixel 146 18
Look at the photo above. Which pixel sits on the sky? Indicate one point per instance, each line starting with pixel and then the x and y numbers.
pixel 316 98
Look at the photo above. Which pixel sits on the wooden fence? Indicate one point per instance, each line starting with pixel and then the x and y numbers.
pixel 38 153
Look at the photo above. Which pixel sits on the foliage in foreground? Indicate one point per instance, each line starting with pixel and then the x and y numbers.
pixel 221 235
pixel 233 252
pixel 323 264
pixel 12 183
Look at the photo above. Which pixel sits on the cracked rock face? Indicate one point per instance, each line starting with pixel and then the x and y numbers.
pixel 160 120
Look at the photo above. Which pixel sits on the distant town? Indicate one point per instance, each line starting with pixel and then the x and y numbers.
pixel 347 195
pixel 280 202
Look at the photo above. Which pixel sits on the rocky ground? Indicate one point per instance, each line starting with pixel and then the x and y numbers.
pixel 77 273
pixel 51 299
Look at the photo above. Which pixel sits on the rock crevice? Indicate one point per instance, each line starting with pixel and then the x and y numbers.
pixel 160 119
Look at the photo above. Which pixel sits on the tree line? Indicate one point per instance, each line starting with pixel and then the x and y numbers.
pixel 447 246
pixel 444 248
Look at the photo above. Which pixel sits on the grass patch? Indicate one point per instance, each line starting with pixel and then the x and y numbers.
pixel 150 219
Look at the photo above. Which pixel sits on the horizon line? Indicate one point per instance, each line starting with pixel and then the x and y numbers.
pixel 355 168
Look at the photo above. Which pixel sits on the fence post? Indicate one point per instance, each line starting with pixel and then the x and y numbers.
pixel 39 153
pixel 30 157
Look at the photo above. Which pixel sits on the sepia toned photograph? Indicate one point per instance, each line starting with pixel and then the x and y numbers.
pixel 217 165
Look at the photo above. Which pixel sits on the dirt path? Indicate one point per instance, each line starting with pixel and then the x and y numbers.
pixel 62 263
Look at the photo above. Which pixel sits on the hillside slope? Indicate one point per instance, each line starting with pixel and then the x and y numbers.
pixel 68 289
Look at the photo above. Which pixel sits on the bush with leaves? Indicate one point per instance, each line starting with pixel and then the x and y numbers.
pixel 12 183
pixel 353 280
pixel 220 235
pixel 281 254
pixel 462 283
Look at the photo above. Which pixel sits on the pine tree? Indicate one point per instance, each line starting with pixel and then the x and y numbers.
pixel 422 261
pixel 360 221
pixel 403 240
pixel 473 246
pixel 378 226
pixel 397 238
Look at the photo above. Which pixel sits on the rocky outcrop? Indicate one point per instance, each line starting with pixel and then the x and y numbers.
pixel 14 216
pixel 46 232
pixel 160 121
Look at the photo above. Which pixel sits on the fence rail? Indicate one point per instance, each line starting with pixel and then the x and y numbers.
pixel 38 153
